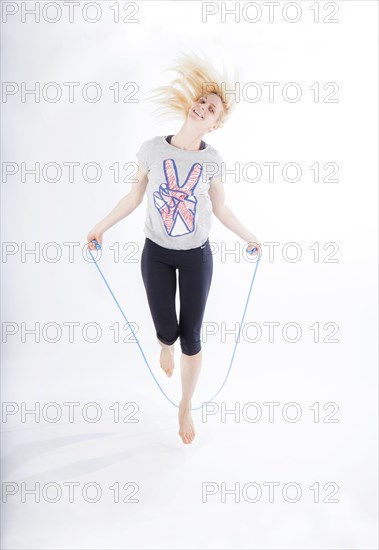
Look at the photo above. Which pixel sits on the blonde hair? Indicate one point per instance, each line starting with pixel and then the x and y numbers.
pixel 196 77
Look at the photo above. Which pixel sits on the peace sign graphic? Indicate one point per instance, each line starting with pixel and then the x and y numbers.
pixel 176 203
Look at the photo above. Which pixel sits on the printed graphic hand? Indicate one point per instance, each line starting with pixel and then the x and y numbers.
pixel 176 203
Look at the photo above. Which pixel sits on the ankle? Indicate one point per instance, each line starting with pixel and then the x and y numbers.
pixel 167 348
pixel 185 405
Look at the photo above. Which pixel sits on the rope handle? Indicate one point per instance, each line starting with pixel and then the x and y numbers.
pixel 98 246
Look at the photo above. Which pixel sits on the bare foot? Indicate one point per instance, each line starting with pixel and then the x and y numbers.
pixel 186 427
pixel 167 361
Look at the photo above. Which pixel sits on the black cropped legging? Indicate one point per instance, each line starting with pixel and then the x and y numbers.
pixel 195 267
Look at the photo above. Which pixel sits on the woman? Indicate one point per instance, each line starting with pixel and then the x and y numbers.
pixel 182 177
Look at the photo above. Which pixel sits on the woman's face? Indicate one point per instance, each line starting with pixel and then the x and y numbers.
pixel 206 111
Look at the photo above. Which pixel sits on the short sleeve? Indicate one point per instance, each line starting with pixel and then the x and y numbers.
pixel 219 171
pixel 143 155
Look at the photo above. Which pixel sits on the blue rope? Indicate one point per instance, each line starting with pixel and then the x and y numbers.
pixel 143 355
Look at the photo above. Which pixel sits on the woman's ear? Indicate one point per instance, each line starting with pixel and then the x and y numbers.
pixel 217 124
pixel 214 127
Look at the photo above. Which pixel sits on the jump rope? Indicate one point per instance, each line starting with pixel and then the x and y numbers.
pixel 98 246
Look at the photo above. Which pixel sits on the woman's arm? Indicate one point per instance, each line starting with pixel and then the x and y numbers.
pixel 123 208
pixel 227 216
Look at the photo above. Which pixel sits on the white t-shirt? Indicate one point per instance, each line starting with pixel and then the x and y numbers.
pixel 179 210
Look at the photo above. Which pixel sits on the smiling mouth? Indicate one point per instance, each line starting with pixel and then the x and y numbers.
pixel 197 113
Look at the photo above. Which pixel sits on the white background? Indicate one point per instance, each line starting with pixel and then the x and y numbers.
pixel 337 286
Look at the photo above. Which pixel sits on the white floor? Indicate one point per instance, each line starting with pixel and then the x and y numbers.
pixel 181 492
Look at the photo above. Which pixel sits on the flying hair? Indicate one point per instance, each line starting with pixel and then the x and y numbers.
pixel 196 77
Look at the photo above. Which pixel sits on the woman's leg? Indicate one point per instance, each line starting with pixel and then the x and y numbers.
pixel 190 366
pixel 167 358
pixel 195 276
pixel 159 277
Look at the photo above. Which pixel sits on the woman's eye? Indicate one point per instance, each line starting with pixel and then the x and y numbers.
pixel 202 100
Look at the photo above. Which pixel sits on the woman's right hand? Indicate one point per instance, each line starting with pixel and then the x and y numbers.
pixel 94 234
